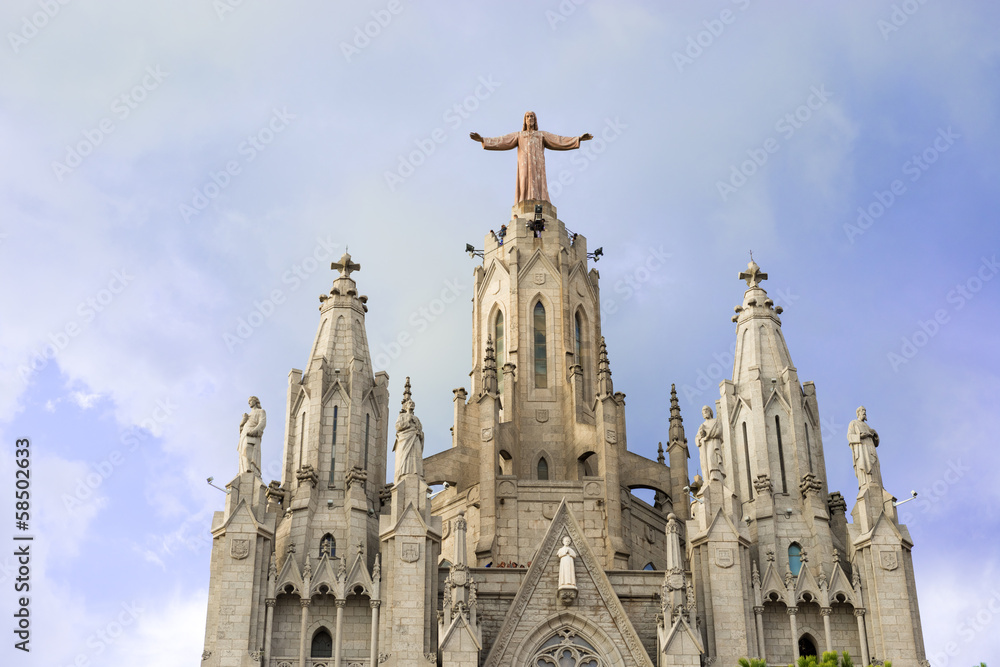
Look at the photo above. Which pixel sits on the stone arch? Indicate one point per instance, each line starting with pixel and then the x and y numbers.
pixel 550 339
pixel 584 627
pixel 536 459
pixel 313 633
pixel 581 335
pixel 588 465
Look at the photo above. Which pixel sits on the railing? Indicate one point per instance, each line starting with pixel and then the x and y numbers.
pixel 319 662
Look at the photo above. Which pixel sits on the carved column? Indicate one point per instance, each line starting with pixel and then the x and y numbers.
pixel 826 611
pixel 374 653
pixel 305 602
pixel 339 631
pixel 268 629
pixel 759 613
pixel 862 635
pixel 792 611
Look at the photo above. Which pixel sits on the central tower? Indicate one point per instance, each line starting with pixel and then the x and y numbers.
pixel 542 421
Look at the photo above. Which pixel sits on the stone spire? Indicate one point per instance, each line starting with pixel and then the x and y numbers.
pixel 676 433
pixel 604 384
pixel 677 450
pixel 761 353
pixel 490 368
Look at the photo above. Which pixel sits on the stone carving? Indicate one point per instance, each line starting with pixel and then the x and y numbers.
pixel 239 548
pixel 251 429
pixel 506 489
pixel 611 435
pixel 762 484
pixel 567 571
pixel 863 440
pixel 709 441
pixel 724 557
pixel 753 275
pixel 409 445
pixel 539 278
pixel 205 655
pixel 531 144
pixel 542 415
pixel 888 559
pixel 410 551
pixel 487 434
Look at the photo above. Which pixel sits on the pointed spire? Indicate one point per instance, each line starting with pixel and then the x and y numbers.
pixel 604 384
pixel 408 405
pixel 490 368
pixel 676 432
pixel 659 454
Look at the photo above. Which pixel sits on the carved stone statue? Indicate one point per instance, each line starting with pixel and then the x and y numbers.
pixel 531 144
pixel 863 440
pixel 567 565
pixel 251 429
pixel 709 441
pixel 409 445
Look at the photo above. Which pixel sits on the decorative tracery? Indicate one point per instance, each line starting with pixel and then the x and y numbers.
pixel 567 649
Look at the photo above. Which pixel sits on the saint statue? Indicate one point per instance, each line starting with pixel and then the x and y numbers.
pixel 251 428
pixel 709 441
pixel 863 440
pixel 567 565
pixel 409 445
pixel 531 144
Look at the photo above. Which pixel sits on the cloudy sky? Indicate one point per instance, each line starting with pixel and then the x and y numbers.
pixel 178 174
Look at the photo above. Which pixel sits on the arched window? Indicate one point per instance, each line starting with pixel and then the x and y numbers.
pixel 649 566
pixel 543 469
pixel 794 558
pixel 807 646
pixel 302 437
pixel 579 330
pixel 498 339
pixel 781 454
pixel 333 449
pixel 328 546
pixel 567 649
pixel 746 453
pixel 588 465
pixel 541 358
pixel 322 644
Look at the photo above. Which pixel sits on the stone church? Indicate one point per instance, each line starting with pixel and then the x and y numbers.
pixel 536 552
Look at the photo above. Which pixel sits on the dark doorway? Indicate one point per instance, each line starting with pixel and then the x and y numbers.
pixel 807 646
pixel 322 644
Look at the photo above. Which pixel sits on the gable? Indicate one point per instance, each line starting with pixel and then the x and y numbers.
pixel 596 614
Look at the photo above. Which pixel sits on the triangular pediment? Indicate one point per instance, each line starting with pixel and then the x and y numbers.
pixel 884 527
pixel 459 625
pixel 840 585
pixel 536 262
pixel 741 405
pixel 408 515
pixel 805 584
pixel 680 639
pixel 289 575
pixel 324 575
pixel 497 266
pixel 579 273
pixel 608 629
pixel 358 577
pixel 772 583
pixel 777 397
pixel 336 387
pixel 242 512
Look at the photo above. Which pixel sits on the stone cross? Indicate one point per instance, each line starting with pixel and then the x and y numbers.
pixel 345 266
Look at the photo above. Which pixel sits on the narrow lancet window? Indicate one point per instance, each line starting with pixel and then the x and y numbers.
pixel 367 424
pixel 746 453
pixel 541 359
pixel 781 454
pixel 498 339
pixel 322 644
pixel 333 449
pixel 794 559
pixel 543 469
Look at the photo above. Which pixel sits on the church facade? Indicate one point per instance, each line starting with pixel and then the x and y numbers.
pixel 536 552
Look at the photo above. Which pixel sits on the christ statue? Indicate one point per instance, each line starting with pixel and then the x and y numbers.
pixel 531 144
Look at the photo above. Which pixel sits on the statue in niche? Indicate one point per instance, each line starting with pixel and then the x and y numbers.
pixel 709 441
pixel 567 565
pixel 530 143
pixel 251 429
pixel 863 440
pixel 409 445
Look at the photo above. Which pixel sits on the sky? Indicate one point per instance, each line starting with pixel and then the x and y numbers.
pixel 178 176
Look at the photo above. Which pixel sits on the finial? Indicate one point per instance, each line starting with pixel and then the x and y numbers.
pixel 408 404
pixel 345 265
pixel 490 367
pixel 753 275
pixel 604 384
pixel 659 453
pixel 676 432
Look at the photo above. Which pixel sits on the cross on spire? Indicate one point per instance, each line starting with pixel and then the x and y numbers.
pixel 345 266
pixel 753 275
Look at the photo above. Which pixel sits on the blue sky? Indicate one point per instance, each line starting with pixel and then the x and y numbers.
pixel 230 151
